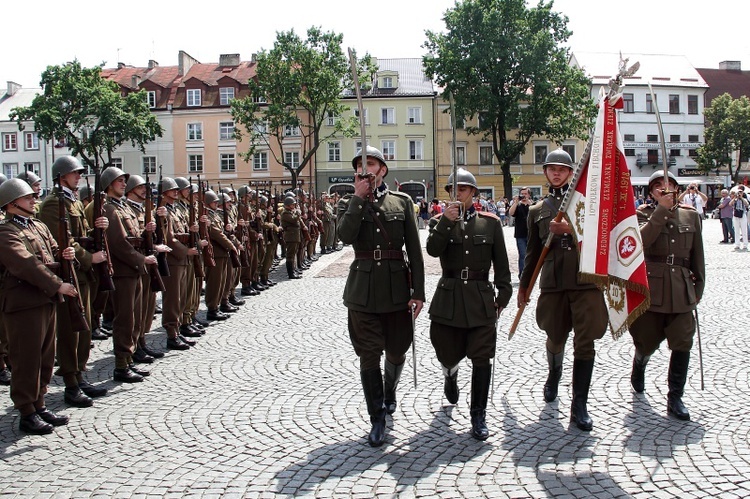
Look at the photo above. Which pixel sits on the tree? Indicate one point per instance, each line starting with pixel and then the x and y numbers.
pixel 503 62
pixel 727 131
pixel 297 88
pixel 88 113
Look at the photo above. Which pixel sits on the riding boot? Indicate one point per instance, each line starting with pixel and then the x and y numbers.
pixel 392 377
pixel 555 363
pixel 678 369
pixel 372 385
pixel 450 387
pixel 582 371
pixel 480 388
pixel 637 377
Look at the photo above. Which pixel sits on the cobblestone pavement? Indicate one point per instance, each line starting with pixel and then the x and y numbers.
pixel 269 404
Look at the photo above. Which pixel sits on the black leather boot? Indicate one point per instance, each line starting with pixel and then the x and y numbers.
pixel 555 363
pixel 372 384
pixel 678 369
pixel 34 425
pixel 75 397
pixel 582 371
pixel 290 271
pixel 450 386
pixel 638 376
pixel 392 377
pixel 480 388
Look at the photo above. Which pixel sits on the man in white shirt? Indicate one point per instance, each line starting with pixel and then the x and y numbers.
pixel 695 198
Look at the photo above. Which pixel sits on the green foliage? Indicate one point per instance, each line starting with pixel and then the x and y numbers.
pixel 727 132
pixel 504 62
pixel 89 113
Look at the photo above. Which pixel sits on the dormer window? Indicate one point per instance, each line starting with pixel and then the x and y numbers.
pixel 151 99
pixel 226 94
pixel 387 82
pixel 194 97
pixel 388 79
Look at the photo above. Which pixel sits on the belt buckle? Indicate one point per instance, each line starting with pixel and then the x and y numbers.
pixel 670 259
pixel 377 255
pixel 465 274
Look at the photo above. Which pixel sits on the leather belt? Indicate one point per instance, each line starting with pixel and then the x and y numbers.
pixel 467 275
pixel 669 260
pixel 379 255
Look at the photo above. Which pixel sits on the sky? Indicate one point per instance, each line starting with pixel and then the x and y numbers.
pixel 95 31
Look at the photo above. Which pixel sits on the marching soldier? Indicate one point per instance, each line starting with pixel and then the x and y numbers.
pixel 291 224
pixel 464 310
pixel 673 249
pixel 564 303
pixel 28 294
pixel 378 223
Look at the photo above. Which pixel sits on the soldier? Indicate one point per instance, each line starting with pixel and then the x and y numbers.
pixel 194 296
pixel 291 224
pixel 270 241
pixel 329 226
pixel 4 370
pixel 378 223
pixel 246 213
pixel 28 295
pixel 229 301
pixel 464 310
pixel 217 275
pixel 564 303
pixel 673 249
pixel 73 347
pixel 35 182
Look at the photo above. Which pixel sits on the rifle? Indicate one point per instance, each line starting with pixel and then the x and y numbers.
pixel 233 256
pixel 161 258
pixel 195 240
pixel 157 284
pixel 76 311
pixel 104 269
pixel 244 235
pixel 208 252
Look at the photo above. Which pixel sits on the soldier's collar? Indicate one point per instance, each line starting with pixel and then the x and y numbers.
pixel 470 213
pixel 21 221
pixel 381 190
pixel 116 201
pixel 69 194
pixel 559 192
pixel 171 207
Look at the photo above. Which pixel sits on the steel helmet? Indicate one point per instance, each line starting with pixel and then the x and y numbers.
pixel 225 198
pixel 194 188
pixel 659 175
pixel 109 175
pixel 133 182
pixel 182 182
pixel 289 201
pixel 558 157
pixel 85 192
pixel 263 200
pixel 463 177
pixel 168 184
pixel 210 197
pixel 29 177
pixel 371 152
pixel 243 191
pixel 3 178
pixel 66 164
pixel 13 189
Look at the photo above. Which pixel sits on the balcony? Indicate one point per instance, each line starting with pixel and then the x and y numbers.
pixel 642 160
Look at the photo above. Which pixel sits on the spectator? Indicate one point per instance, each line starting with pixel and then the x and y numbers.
pixel 520 210
pixel 639 201
pixel 695 198
pixel 491 206
pixel 739 219
pixel 725 214
pixel 435 208
pixel 424 213
pixel 502 207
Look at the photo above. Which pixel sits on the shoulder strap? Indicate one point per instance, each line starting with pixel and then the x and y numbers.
pixel 379 223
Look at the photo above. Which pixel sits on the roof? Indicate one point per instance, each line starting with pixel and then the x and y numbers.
pixel 734 82
pixel 412 80
pixel 659 69
pixel 22 98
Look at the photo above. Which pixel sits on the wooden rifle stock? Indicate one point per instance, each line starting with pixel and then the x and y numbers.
pixel 161 258
pixel 157 283
pixel 104 270
pixel 208 251
pixel 234 258
pixel 195 240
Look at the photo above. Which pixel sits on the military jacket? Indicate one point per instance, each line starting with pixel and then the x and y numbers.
pixel 290 222
pixel 673 248
pixel 122 233
pixel 477 247
pixel 78 226
pixel 381 286
pixel 25 280
pixel 560 268
pixel 222 245
pixel 177 237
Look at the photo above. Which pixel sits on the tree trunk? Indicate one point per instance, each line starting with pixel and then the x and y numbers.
pixel 507 181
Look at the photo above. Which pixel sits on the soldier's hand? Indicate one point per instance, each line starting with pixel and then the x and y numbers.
pixel 162 248
pixel 204 219
pixel 67 289
pixel 561 228
pixel 204 243
pixel 101 223
pixel 161 211
pixel 228 227
pixel 192 252
pixel 150 260
pixel 69 253
pixel 452 211
pixel 151 226
pixel 522 298
pixel 498 310
pixel 98 257
pixel 194 227
pixel 416 306
pixel 363 186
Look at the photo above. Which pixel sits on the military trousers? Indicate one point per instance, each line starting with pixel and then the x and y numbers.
pixel 73 347
pixel 192 298
pixel 582 311
pixel 173 299
pixel 372 334
pixel 216 282
pixel 651 328
pixel 292 249
pixel 268 256
pixel 145 319
pixel 127 301
pixel 452 344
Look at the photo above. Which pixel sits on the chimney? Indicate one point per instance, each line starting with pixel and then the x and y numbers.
pixel 13 87
pixel 185 62
pixel 731 65
pixel 229 60
pixel 135 80
pixel 152 64
pixel 254 58
pixel 120 65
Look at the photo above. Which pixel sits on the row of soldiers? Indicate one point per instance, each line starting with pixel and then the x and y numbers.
pixel 221 239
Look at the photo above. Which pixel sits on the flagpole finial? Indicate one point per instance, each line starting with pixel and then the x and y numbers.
pixel 623 71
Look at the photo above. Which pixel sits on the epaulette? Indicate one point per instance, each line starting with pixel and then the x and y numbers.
pixel 438 215
pixel 644 207
pixel 488 214
pixel 401 194
pixel 687 206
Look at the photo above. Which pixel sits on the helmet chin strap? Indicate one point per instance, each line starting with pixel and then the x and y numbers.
pixel 15 205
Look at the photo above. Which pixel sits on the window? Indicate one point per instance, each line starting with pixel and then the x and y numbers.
pixel 652 138
pixel 692 104
pixel 540 154
pixel 10 142
pixel 674 138
pixel 483 121
pixel 674 104
pixel 291 131
pixel 291 159
pixel 387 116
pixel 31 141
pixel 628 105
pixel 149 165
pixel 629 152
pixel 259 99
pixel 226 94
pixel 571 150
pixel 367 115
pixel 388 147
pixel 116 162
pixel 10 169
pixel 387 82
pixel 194 97
pixel 674 153
pixel 415 115
pixel 334 150
pixel 260 161
pixel 693 138
pixel 260 128
pixel 628 137
pixel 415 149
pixel 649 104
pixel 151 99
pixel 693 153
pixel 226 130
pixel 195 163
pixel 460 155
pixel 195 131
pixel 331 119
pixel 32 167
pixel 516 160
pixel 226 160
pixel 485 155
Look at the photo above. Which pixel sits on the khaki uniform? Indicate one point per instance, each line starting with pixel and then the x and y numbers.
pixel 176 284
pixel 216 276
pixel 145 319
pixel 292 226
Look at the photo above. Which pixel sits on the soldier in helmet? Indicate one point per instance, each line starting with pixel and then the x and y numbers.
pixel 565 303
pixel 216 276
pixel 673 250
pixel 464 309
pixel 73 347
pixel 383 289
pixel 4 370
pixel 35 182
pixel 28 295
pixel 291 224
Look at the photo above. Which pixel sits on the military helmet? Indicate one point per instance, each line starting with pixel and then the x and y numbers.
pixel 168 184
pixel 109 175
pixel 13 189
pixel 463 177
pixel 371 152
pixel 243 191
pixel 3 178
pixel 66 164
pixel 290 200
pixel 659 175
pixel 85 192
pixel 558 157
pixel 210 197
pixel 225 198
pixel 182 182
pixel 133 182
pixel 263 200
pixel 29 177
pixel 194 188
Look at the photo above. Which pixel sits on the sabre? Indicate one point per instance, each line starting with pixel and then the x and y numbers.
pixel 360 106
pixel 454 163
pixel 414 344
pixel 665 161
pixel 700 348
